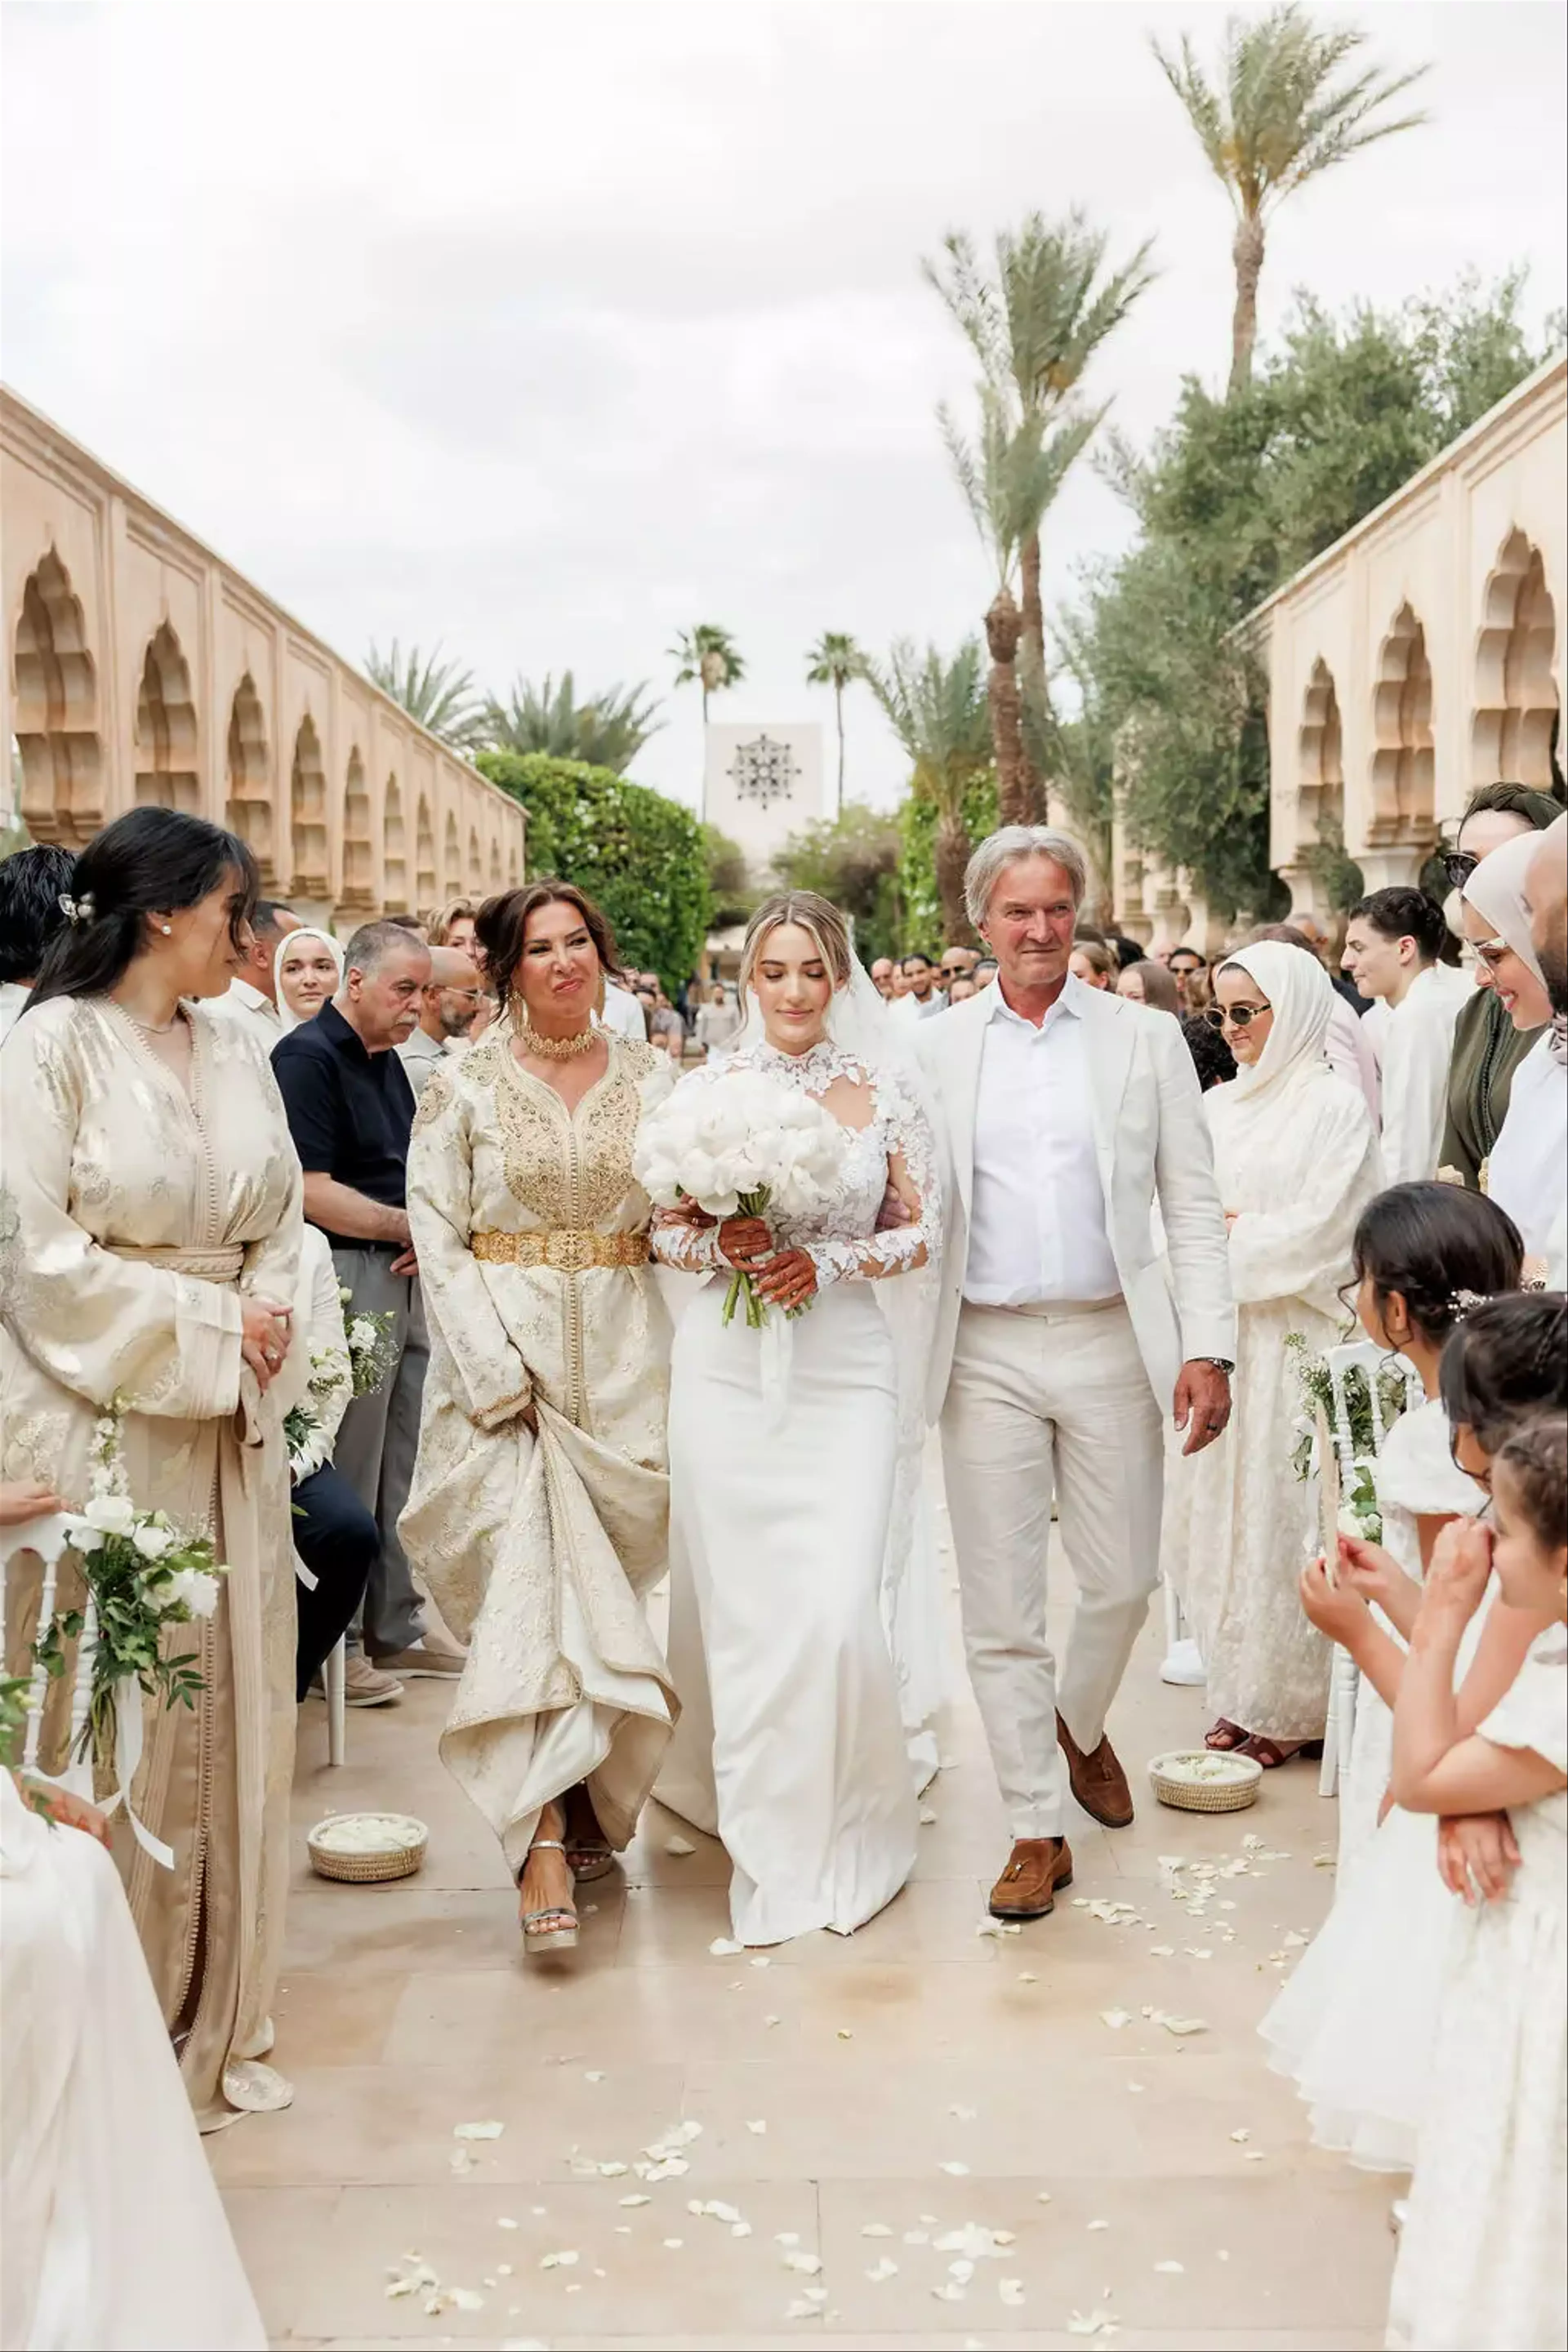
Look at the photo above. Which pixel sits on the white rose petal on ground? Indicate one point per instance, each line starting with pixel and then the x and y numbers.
pixel 884 2269
pixel 1116 2018
pixel 759 2126
pixel 637 2200
pixel 1172 2270
pixel 1011 2292
pixel 679 1846
pixel 807 2264
pixel 875 2230
pixel 478 2131
pixel 954 2170
pixel 1184 2025
pixel 724 1948
pixel 564 2261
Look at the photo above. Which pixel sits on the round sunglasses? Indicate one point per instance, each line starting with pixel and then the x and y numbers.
pixel 1458 865
pixel 1240 1016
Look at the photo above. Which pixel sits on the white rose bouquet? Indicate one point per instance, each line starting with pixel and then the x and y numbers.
pixel 740 1146
pixel 370 1346
pixel 142 1573
pixel 305 1424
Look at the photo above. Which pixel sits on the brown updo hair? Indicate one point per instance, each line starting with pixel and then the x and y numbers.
pixel 813 914
pixel 501 928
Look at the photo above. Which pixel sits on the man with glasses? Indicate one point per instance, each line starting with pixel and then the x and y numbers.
pixel 448 1008
pixel 1183 962
pixel 957 963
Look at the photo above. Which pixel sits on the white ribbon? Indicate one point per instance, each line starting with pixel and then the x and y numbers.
pixel 776 1364
pixel 127 1759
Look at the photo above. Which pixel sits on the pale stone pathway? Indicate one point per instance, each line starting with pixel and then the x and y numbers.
pixel 908 2082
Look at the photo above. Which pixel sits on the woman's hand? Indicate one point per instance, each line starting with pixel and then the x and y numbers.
pixel 65 1811
pixel 1477 1856
pixel 1460 1570
pixel 1340 1614
pixel 745 1241
pixel 265 1332
pixel 1375 1573
pixel 788 1280
pixel 24 1501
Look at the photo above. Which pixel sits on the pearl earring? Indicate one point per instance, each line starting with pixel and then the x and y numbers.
pixel 167 929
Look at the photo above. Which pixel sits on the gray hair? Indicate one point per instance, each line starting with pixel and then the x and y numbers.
pixel 1007 847
pixel 371 945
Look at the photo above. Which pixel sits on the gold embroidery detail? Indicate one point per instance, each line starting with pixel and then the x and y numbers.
pixel 568 1250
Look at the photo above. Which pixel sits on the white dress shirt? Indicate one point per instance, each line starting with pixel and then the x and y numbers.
pixel 253 1011
pixel 623 1014
pixel 421 1056
pixel 1417 1048
pixel 909 1008
pixel 1036 1224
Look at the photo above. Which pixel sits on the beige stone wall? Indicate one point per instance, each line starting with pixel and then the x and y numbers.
pixel 142 667
pixel 1422 655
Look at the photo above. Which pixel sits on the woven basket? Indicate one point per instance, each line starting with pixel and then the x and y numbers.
pixel 1232 1794
pixel 400 1857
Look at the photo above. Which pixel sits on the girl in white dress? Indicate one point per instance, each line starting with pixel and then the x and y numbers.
pixel 1483 2257
pixel 779 1522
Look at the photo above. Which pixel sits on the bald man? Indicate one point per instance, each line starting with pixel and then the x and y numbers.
pixel 448 1008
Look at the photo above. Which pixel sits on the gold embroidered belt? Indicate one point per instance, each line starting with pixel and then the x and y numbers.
pixel 568 1250
pixel 223 1265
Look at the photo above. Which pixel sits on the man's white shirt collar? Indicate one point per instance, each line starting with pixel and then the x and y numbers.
pixel 1069 1003
pixel 253 999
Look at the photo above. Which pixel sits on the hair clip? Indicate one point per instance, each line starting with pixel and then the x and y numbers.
pixel 1464 1302
pixel 77 911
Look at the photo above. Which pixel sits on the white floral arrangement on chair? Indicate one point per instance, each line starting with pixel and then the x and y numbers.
pixel 305 1424
pixel 1358 1513
pixel 372 1346
pixel 143 1573
pixel 741 1147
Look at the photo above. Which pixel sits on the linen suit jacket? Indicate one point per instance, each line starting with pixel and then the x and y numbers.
pixel 1152 1144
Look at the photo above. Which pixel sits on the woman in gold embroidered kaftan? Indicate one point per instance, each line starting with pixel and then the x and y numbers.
pixel 149 1226
pixel 539 1510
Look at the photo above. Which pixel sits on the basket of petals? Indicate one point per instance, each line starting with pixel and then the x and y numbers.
pixel 1206 1780
pixel 366 1849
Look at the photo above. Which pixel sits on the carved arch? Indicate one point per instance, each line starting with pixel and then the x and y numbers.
pixel 56 720
pixel 166 771
pixel 1513 723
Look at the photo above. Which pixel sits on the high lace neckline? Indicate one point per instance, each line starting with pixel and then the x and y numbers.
pixel 816 1068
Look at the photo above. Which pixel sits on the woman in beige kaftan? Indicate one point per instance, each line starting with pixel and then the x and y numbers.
pixel 539 1510
pixel 134 1216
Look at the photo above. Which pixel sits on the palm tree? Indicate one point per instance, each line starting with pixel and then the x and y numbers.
pixel 439 695
pixel 707 656
pixel 1277 117
pixel 835 660
pixel 1034 326
pixel 607 732
pixel 938 711
pixel 1009 477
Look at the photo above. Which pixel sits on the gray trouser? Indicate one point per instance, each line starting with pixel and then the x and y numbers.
pixel 380 1438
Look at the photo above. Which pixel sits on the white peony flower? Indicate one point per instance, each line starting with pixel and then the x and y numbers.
pixel 363 1334
pixel 151 1540
pixel 109 1514
pixel 194 1589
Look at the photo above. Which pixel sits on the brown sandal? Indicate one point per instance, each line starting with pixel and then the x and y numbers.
pixel 1272 1753
pixel 1225 1737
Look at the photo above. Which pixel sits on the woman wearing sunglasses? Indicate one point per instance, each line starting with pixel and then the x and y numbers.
pixel 1487 1047
pixel 1297 1160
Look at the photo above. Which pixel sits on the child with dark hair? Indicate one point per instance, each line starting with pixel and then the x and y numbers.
pixel 1394 941
pixel 1483 2259
pixel 32 884
pixel 1355 2025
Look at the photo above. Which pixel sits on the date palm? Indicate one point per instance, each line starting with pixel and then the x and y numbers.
pixel 1034 324
pixel 608 731
pixel 938 711
pixel 835 660
pixel 707 657
pixel 439 695
pixel 1279 114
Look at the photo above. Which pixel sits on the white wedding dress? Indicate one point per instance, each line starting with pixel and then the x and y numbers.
pixel 784 1447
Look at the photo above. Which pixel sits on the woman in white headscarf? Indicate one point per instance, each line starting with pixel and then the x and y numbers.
pixel 1296 1156
pixel 307 972
pixel 1527 1172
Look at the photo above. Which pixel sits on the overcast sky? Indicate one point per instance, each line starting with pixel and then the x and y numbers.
pixel 547 329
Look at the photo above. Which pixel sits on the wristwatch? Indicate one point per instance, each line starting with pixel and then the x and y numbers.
pixel 1220 1363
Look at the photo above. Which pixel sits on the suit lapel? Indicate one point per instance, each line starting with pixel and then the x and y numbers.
pixel 1111 1036
pixel 965 1042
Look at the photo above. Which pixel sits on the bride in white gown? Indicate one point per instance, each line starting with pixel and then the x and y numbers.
pixel 780 1504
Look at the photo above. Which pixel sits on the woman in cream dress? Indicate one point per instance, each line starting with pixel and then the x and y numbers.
pixel 539 1508
pixel 149 1232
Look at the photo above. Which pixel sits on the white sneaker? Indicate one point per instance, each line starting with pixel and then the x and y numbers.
pixel 366 1685
pixel 1185 1667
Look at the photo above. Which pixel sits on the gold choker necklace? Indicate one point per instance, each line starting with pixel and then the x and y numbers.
pixel 555 1049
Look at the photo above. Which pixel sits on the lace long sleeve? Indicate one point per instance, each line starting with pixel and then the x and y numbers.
pixel 912 1168
pixel 690 1249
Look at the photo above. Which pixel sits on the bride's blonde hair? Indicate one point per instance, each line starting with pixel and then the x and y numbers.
pixel 813 914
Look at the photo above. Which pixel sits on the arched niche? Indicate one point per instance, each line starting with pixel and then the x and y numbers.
pixel 1513 722
pixel 1320 765
pixel 425 885
pixel 494 872
pixel 513 866
pixel 452 861
pixel 394 852
pixel 166 772
pixel 56 720
pixel 308 814
pixel 1404 807
pixel 249 808
pixel 359 853
pixel 476 880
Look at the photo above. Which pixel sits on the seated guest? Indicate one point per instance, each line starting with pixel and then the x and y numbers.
pixel 334 1535
pixel 448 1008
pixel 1147 981
pixel 1487 1047
pixel 252 998
pixel 307 974
pixel 1393 943
pixel 32 882
pixel 351 1108
pixel 1526 1172
pixel 1093 963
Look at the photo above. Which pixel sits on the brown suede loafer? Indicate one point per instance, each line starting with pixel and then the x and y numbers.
pixel 1027 1887
pixel 1099 1783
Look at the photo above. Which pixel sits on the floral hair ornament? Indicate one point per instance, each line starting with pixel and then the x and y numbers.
pixel 1464 1302
pixel 77 911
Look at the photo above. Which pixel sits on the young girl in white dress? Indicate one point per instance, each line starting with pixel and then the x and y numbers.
pixel 1354 2026
pixel 780 1522
pixel 1483 2257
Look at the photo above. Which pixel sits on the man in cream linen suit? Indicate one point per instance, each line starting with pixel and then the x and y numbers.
pixel 1061 1341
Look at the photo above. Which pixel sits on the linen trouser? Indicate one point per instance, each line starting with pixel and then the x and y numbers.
pixel 1040 1399
pixel 379 1439
pixel 336 1538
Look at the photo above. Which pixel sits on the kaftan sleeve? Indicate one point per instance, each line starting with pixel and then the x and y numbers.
pixel 1303 1249
pixel 911 1155
pixel 496 1382
pixel 103 1327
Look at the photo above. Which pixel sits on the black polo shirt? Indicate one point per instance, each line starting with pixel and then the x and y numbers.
pixel 349 1112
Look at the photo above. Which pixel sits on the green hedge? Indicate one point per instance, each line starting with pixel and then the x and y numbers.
pixel 640 857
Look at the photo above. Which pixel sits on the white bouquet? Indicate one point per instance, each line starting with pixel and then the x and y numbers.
pixel 739 1145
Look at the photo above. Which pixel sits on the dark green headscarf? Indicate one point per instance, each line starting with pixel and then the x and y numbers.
pixel 1538 809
